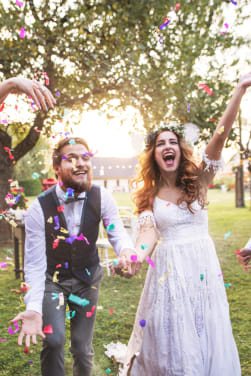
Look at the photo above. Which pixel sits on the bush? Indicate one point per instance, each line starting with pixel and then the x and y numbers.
pixel 32 187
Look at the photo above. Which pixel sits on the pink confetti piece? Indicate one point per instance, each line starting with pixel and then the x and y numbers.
pixel 150 261
pixel 221 274
pixel 206 88
pixel 89 314
pixel 3 265
pixel 19 3
pixel 3 339
pixel 11 331
pixel 55 243
pixel 134 258
pixel 177 6
pixel 48 329
pixel 9 152
pixel 226 26
pixel 22 33
pixel 237 252
pixel 111 310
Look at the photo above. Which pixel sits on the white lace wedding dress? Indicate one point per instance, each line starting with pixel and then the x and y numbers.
pixel 188 330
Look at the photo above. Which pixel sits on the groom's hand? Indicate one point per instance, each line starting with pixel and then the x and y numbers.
pixel 127 265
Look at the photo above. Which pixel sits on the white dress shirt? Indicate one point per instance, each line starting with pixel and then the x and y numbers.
pixel 35 263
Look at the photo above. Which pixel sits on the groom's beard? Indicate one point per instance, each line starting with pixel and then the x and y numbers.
pixel 79 186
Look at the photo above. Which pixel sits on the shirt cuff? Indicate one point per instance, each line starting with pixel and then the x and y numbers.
pixel 37 307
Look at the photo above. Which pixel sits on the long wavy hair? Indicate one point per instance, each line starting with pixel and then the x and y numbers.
pixel 148 180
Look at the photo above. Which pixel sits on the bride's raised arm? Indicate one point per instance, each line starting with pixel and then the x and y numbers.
pixel 214 148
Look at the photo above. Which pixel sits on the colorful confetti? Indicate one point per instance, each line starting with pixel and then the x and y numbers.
pixel 22 33
pixel 110 227
pixel 227 235
pixel 57 227
pixel 150 261
pixel 71 314
pixel 201 277
pixel 19 3
pixel 55 243
pixel 35 175
pixel 144 246
pixel 79 301
pixel 226 26
pixel 89 314
pixel 206 88
pixel 55 278
pixel 60 300
pixel 220 130
pixel 11 331
pixel 134 258
pixel 142 323
pixel 48 329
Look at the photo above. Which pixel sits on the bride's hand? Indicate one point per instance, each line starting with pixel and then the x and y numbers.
pixel 245 81
pixel 128 264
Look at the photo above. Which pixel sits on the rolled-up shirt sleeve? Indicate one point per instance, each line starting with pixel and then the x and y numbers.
pixel 35 257
pixel 117 235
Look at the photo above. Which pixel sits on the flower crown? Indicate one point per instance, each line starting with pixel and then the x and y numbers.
pixel 176 128
pixel 189 131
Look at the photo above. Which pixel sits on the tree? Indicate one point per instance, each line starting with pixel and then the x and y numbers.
pixel 97 50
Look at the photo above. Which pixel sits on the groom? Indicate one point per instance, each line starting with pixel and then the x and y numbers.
pixel 61 259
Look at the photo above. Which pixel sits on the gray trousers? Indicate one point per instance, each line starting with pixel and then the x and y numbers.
pixel 82 327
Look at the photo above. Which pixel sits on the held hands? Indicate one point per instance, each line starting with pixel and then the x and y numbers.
pixel 128 265
pixel 244 256
pixel 31 327
pixel 38 92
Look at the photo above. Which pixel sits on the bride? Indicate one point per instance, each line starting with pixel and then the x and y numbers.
pixel 182 325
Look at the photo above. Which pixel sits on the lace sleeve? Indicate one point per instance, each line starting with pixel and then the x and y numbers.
pixel 216 165
pixel 146 221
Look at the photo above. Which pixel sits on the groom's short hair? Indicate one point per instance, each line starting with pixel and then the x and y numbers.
pixel 56 155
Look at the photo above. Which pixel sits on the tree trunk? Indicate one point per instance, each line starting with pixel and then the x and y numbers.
pixel 239 187
pixel 6 170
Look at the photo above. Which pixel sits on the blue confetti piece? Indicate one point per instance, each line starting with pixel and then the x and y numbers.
pixel 142 323
pixel 72 142
pixel 110 227
pixel 79 301
pixel 115 262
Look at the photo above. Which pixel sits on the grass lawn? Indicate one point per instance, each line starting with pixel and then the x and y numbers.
pixel 122 295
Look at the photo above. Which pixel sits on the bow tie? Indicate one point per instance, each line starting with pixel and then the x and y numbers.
pixel 73 199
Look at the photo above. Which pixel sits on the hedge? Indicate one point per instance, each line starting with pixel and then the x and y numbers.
pixel 32 187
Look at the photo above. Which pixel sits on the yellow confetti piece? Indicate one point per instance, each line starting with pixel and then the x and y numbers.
pixel 13 223
pixel 74 163
pixel 63 230
pixel 165 275
pixel 61 237
pixel 220 130
pixel 94 287
pixel 61 300
pixel 50 220
pixel 55 279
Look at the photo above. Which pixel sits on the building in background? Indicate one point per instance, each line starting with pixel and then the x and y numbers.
pixel 114 173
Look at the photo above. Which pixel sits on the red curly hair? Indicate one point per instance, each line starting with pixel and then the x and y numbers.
pixel 148 180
